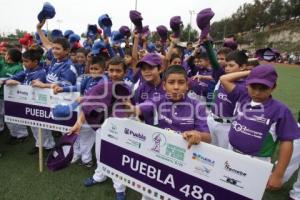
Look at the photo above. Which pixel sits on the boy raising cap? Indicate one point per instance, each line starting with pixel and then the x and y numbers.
pixel 261 122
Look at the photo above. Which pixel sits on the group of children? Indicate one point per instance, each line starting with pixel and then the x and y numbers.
pixel 219 98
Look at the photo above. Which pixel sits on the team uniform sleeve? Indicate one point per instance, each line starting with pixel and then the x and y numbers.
pixel 239 92
pixel 68 77
pixel 286 127
pixel 20 76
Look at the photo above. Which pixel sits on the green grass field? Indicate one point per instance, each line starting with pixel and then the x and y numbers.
pixel 20 179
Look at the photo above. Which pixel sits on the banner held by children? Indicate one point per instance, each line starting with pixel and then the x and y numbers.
pixel 33 107
pixel 157 163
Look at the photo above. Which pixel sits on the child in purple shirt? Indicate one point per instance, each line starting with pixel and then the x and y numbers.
pixel 261 121
pixel 221 115
pixel 105 96
pixel 175 110
pixel 151 88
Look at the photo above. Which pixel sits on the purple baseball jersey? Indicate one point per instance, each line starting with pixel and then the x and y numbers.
pixel 148 91
pixel 222 106
pixel 259 126
pixel 185 115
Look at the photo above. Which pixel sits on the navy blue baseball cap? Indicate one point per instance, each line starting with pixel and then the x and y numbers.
pixel 67 33
pixel 98 47
pixel 47 12
pixel 56 33
pixel 105 23
pixel 117 37
pixel 62 154
pixel 74 38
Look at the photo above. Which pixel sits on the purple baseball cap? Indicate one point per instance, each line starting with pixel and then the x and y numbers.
pixel 136 18
pixel 62 154
pixel 176 25
pixel 263 74
pixel 96 109
pixel 125 31
pixel 151 59
pixel 203 21
pixel 47 12
pixel 162 31
pixel 230 43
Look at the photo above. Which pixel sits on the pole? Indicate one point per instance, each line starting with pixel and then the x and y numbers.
pixel 189 33
pixel 40 151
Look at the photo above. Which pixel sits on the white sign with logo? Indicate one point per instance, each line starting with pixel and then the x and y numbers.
pixel 157 163
pixel 31 106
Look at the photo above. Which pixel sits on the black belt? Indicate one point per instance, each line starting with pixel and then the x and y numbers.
pixel 222 120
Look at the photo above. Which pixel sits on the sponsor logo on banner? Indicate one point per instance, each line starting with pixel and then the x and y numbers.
pixel 175 152
pixel 42 98
pixel 202 170
pixel 232 181
pixel 19 92
pixel 113 132
pixel 136 135
pixel 134 143
pixel 159 140
pixel 22 95
pixel 113 129
pixel 203 159
pixel 229 168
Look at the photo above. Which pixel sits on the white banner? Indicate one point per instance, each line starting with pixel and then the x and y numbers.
pixel 31 106
pixel 157 163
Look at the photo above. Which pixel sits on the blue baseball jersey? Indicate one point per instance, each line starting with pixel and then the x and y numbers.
pixel 85 84
pixel 79 69
pixel 62 73
pixel 27 76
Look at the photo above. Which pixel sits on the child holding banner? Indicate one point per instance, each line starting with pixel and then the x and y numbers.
pixel 61 72
pixel 9 66
pixel 86 139
pixel 175 110
pixel 261 121
pixel 98 104
pixel 31 61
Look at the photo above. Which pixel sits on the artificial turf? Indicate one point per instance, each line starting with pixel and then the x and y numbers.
pixel 20 178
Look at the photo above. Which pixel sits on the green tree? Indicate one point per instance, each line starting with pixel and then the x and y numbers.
pixel 19 33
pixel 189 34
